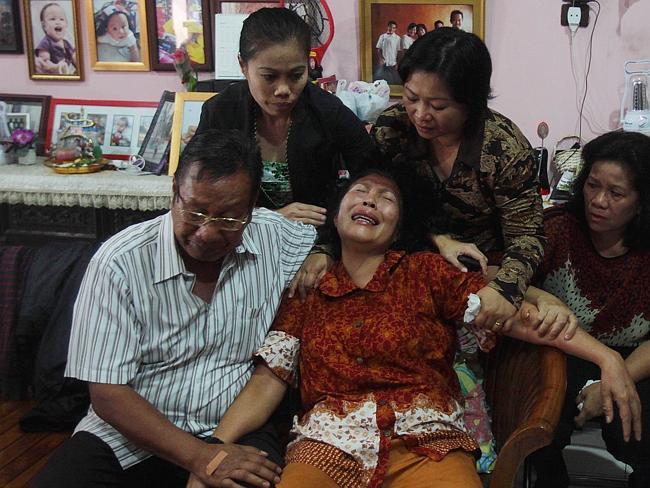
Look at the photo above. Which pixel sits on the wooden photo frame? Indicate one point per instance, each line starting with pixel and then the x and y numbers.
pixel 11 37
pixel 53 47
pixel 155 146
pixel 187 113
pixel 117 35
pixel 37 106
pixel 118 123
pixel 172 24
pixel 374 16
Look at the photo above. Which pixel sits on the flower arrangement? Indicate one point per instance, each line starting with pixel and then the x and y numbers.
pixel 185 69
pixel 22 140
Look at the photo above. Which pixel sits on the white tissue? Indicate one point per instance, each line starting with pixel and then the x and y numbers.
pixel 473 308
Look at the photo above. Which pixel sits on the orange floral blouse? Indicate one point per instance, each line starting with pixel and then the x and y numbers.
pixel 375 363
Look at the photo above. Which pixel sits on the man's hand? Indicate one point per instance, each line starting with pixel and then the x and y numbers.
pixel 310 273
pixel 554 317
pixel 450 249
pixel 305 213
pixel 242 464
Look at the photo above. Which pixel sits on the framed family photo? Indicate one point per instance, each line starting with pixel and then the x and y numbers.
pixel 35 106
pixel 11 38
pixel 117 126
pixel 389 27
pixel 117 35
pixel 155 145
pixel 187 113
pixel 179 23
pixel 53 49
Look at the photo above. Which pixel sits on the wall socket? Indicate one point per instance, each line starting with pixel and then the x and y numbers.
pixel 584 14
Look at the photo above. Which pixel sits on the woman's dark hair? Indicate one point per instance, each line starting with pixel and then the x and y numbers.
pixel 631 151
pixel 271 26
pixel 220 154
pixel 420 211
pixel 460 59
pixel 422 26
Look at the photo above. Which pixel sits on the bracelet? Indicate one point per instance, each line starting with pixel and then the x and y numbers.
pixel 319 249
pixel 213 439
pixel 588 383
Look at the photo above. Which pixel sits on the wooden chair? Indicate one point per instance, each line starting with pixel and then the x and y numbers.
pixel 525 386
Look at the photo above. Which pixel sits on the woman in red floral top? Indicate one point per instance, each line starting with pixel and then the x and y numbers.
pixel 373 347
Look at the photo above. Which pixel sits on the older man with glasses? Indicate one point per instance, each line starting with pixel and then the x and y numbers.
pixel 167 319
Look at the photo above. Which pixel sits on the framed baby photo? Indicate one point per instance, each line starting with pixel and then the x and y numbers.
pixel 53 40
pixel 155 145
pixel 389 27
pixel 179 23
pixel 187 113
pixel 117 35
pixel 36 107
pixel 11 38
pixel 116 126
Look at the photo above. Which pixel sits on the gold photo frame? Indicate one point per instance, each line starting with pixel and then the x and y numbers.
pixel 117 35
pixel 187 113
pixel 374 16
pixel 53 40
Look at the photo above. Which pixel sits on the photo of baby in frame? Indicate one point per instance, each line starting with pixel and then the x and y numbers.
pixel 52 39
pixel 117 34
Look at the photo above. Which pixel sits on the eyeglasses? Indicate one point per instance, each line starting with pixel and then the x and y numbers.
pixel 198 219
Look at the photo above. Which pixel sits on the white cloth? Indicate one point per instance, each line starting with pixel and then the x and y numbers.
pixel 113 50
pixel 389 44
pixel 407 41
pixel 137 323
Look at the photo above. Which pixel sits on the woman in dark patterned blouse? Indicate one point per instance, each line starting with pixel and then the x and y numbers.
pixel 372 349
pixel 597 260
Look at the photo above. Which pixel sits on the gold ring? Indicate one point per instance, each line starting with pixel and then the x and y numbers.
pixel 498 324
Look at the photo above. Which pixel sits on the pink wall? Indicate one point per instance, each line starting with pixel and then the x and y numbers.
pixel 532 64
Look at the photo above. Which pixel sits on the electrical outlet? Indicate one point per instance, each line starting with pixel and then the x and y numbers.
pixel 573 15
pixel 584 14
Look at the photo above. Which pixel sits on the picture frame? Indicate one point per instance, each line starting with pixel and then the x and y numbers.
pixel 53 44
pixel 170 27
pixel 37 106
pixel 187 113
pixel 226 17
pixel 117 122
pixel 374 16
pixel 18 120
pixel 154 149
pixel 11 36
pixel 117 35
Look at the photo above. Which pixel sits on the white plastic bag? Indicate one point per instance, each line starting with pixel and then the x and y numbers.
pixel 366 100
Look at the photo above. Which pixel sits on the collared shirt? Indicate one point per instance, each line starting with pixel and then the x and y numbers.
pixel 137 323
pixel 389 44
pixel 490 197
pixel 375 363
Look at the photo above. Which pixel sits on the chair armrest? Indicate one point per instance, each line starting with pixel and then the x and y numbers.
pixel 525 386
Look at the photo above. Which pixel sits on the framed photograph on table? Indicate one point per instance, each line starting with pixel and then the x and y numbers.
pixel 384 30
pixel 115 124
pixel 11 38
pixel 117 35
pixel 155 146
pixel 187 113
pixel 175 23
pixel 53 48
pixel 37 106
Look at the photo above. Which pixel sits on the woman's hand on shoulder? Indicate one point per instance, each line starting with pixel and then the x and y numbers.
pixel 450 249
pixel 305 213
pixel 496 311
pixel 310 273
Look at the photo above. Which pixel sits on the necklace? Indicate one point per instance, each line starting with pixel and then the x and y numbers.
pixel 276 164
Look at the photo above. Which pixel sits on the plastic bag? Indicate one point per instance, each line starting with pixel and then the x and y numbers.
pixel 366 100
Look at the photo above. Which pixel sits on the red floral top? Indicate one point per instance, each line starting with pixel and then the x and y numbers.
pixel 375 363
